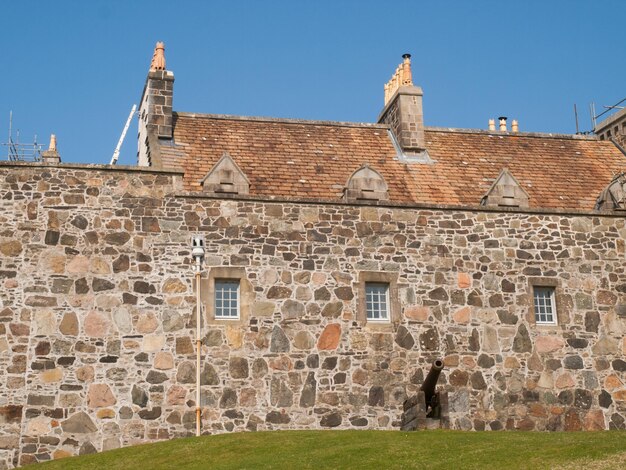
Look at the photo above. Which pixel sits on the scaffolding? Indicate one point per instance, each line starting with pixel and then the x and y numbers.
pixel 19 151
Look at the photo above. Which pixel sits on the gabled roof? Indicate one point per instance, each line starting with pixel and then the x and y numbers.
pixel 314 159
pixel 557 172
pixel 225 159
pixel 505 190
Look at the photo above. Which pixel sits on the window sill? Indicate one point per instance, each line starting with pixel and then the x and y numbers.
pixel 226 321
pixel 547 326
pixel 378 325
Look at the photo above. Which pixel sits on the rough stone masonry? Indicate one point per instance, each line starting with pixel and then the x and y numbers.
pixel 97 313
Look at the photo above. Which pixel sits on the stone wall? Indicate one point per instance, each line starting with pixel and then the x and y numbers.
pixel 97 321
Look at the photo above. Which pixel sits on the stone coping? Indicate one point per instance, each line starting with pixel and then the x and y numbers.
pixel 542 135
pixel 400 205
pixel 92 166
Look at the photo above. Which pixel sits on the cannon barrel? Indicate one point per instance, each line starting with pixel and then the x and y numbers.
pixel 430 382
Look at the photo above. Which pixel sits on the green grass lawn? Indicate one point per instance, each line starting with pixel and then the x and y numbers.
pixel 367 449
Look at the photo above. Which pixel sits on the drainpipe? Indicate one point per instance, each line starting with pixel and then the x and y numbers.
pixel 197 252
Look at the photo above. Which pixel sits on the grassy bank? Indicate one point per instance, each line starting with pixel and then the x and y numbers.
pixel 367 449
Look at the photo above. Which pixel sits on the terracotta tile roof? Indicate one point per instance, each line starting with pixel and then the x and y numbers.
pixel 557 172
pixel 311 159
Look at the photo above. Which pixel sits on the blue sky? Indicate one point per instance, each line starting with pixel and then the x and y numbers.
pixel 75 68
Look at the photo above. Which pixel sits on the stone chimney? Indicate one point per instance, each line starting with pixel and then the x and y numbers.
pixel 155 110
pixel 51 155
pixel 403 109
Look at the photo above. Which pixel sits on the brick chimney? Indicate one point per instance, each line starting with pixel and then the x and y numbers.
pixel 403 109
pixel 155 110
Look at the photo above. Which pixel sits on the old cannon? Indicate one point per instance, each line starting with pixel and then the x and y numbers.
pixel 428 408
pixel 431 397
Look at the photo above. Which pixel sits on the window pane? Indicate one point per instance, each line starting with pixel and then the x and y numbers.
pixel 226 298
pixel 545 310
pixel 376 301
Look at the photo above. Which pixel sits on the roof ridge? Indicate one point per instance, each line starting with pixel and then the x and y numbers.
pixel 281 120
pixel 459 130
pixel 543 135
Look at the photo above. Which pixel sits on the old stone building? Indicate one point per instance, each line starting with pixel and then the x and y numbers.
pixel 613 128
pixel 341 259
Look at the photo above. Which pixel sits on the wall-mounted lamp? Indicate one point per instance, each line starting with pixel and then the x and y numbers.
pixel 197 250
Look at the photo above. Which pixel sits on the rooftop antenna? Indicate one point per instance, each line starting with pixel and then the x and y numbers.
pixel 592 110
pixel 10 130
pixel 609 108
pixel 116 153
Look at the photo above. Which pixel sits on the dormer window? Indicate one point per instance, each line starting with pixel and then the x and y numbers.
pixel 613 197
pixel 226 178
pixel 366 184
pixel 227 181
pixel 505 192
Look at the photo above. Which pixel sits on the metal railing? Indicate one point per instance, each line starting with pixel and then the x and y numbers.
pixel 19 152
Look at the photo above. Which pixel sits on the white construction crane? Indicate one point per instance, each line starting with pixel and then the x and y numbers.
pixel 116 153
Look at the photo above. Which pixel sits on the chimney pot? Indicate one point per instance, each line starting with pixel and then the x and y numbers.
pixel 407 75
pixel 492 124
pixel 158 57
pixel 53 143
pixel 514 126
pixel 502 120
pixel 401 77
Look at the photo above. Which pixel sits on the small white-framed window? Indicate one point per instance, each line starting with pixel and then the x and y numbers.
pixel 377 301
pixel 226 306
pixel 545 305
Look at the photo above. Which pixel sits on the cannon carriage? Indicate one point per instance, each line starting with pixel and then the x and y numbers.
pixel 428 408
